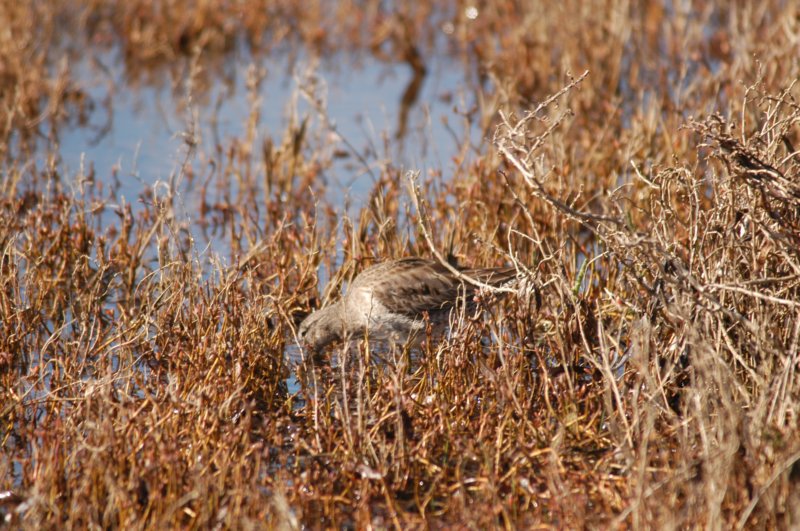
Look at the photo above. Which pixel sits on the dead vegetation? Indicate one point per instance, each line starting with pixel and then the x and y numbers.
pixel 148 382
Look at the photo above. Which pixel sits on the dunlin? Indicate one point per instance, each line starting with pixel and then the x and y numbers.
pixel 390 301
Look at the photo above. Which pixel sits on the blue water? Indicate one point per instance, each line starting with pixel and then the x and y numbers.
pixel 136 143
pixel 144 144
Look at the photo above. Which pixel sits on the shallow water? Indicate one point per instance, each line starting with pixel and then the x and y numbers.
pixel 140 135
pixel 135 137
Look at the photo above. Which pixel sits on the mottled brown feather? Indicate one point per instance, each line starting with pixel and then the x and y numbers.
pixel 411 286
pixel 390 299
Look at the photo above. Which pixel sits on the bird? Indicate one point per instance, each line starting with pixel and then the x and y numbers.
pixel 394 301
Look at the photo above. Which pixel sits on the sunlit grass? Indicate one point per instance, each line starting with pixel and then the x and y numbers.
pixel 649 380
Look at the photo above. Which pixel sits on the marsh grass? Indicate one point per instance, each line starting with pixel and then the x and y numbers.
pixel 648 378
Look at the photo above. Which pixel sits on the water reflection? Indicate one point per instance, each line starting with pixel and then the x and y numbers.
pixel 139 139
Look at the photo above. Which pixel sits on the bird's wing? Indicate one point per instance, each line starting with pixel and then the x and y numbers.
pixel 411 286
pixel 493 276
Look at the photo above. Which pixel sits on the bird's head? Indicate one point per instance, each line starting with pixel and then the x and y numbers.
pixel 321 328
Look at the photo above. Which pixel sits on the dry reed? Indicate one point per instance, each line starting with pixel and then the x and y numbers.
pixel 653 381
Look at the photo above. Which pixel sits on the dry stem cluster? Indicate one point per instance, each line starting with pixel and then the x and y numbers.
pixel 652 381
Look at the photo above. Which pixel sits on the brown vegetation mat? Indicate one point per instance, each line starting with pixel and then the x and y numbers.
pixel 655 203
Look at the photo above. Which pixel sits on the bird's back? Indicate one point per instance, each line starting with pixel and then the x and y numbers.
pixel 412 286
